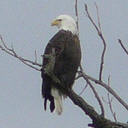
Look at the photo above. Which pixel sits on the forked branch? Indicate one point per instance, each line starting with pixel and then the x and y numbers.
pixel 10 51
pixel 99 31
pixel 104 85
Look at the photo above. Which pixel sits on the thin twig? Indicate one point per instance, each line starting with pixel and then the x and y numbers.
pixel 83 89
pixel 12 52
pixel 35 57
pixel 97 10
pixel 77 16
pixel 97 97
pixel 90 18
pixel 110 102
pixel 94 91
pixel 121 44
pixel 101 36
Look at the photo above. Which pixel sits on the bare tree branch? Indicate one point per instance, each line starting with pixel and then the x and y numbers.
pixel 35 57
pixel 94 91
pixel 100 35
pixel 121 44
pixel 97 97
pixel 98 17
pixel 77 16
pixel 98 120
pixel 83 89
pixel 11 51
pixel 110 102
pixel 104 85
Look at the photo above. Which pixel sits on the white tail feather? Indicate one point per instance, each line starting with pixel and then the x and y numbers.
pixel 57 100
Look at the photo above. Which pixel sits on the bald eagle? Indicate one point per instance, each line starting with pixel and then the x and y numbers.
pixel 67 60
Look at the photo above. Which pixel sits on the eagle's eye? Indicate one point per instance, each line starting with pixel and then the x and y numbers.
pixel 59 19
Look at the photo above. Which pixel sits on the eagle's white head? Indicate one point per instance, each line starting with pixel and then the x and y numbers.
pixel 65 22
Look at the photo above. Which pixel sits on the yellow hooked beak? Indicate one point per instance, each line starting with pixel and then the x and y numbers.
pixel 55 23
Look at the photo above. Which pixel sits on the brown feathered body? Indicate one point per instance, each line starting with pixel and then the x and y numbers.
pixel 67 61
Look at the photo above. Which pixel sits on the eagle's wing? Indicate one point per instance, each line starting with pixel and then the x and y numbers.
pixel 57 42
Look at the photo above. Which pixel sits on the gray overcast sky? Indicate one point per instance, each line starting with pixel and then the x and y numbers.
pixel 26 26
